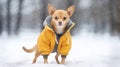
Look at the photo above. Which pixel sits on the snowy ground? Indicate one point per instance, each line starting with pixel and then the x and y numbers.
pixel 88 50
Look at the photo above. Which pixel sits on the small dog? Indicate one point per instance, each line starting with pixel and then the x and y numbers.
pixel 55 36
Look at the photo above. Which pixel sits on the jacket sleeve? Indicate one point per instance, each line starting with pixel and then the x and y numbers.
pixel 43 43
pixel 66 45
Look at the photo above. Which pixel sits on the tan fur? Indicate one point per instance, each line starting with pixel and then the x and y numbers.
pixel 30 50
pixel 60 15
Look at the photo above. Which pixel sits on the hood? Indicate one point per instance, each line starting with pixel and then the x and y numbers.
pixel 48 19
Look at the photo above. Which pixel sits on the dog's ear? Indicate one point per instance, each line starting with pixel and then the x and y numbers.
pixel 51 9
pixel 71 10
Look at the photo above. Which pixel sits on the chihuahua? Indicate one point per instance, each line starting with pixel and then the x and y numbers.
pixel 55 36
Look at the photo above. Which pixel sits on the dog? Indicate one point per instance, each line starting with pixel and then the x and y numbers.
pixel 55 37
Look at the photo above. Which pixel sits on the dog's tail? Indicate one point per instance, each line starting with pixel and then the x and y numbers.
pixel 30 50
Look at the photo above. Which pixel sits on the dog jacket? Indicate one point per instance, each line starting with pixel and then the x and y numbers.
pixel 49 42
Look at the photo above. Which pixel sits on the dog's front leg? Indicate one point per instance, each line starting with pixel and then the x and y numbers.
pixel 45 59
pixel 56 57
pixel 63 59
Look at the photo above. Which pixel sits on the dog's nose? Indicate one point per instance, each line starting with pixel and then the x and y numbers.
pixel 60 23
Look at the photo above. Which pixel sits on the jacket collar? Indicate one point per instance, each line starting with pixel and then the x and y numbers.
pixel 47 24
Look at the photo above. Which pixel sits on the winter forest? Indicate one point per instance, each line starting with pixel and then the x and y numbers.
pixel 98 16
pixel 96 35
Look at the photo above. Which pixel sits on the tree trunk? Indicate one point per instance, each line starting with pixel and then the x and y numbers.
pixel 114 15
pixel 43 11
pixel 117 16
pixel 0 19
pixel 70 2
pixel 8 17
pixel 112 20
pixel 19 17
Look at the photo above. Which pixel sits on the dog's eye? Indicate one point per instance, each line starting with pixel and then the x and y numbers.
pixel 64 18
pixel 56 18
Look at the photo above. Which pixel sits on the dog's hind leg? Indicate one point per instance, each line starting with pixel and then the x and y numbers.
pixel 56 57
pixel 36 55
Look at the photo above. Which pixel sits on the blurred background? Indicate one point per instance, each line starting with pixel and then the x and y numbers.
pixel 97 16
pixel 96 35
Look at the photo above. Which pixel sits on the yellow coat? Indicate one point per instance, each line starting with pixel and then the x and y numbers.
pixel 47 38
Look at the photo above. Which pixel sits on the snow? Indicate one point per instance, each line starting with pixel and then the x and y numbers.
pixel 88 50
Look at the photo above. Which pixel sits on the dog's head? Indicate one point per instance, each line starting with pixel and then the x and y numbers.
pixel 60 18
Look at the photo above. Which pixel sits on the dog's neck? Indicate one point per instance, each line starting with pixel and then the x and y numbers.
pixel 59 30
